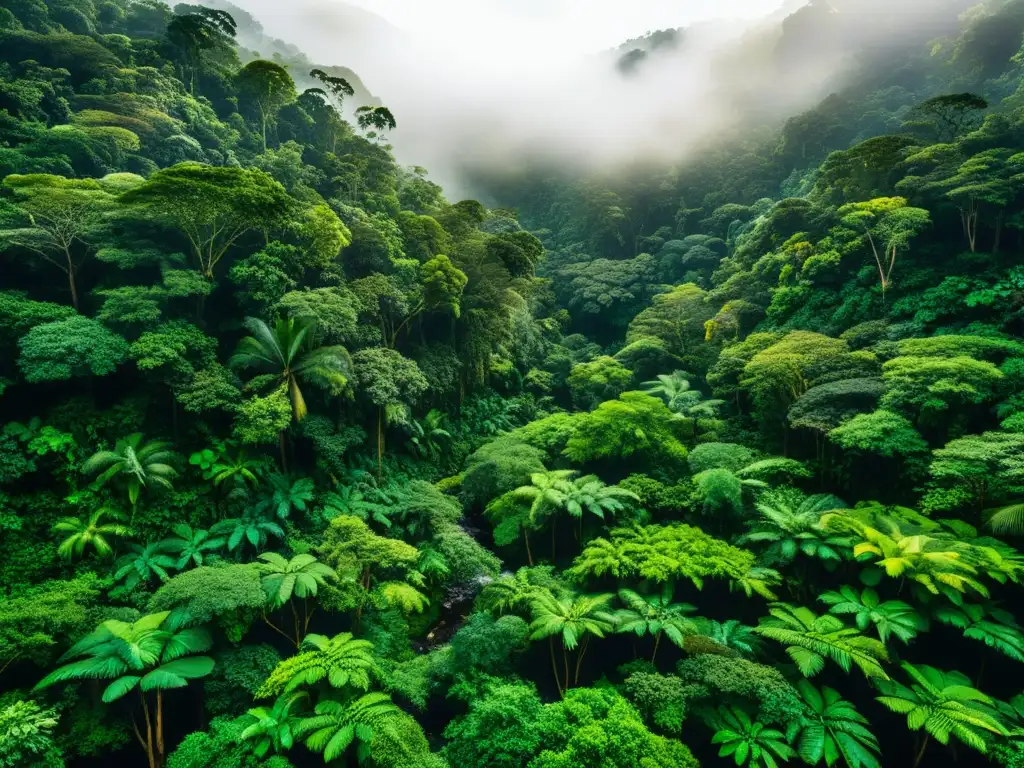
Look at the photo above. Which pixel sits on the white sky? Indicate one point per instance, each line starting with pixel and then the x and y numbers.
pixel 568 27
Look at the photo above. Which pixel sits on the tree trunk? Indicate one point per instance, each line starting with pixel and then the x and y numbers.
pixel 284 451
pixel 529 554
pixel 160 727
pixel 565 662
pixel 579 660
pixel 71 284
pixel 554 666
pixel 150 752
pixel 657 641
pixel 380 441
pixel 920 754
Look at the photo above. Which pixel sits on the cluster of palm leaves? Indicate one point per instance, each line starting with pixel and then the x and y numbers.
pixel 347 714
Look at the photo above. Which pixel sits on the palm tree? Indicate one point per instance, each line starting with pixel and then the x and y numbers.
pixel 944 704
pixel 342 660
pixel 151 654
pixel 680 397
pixel 811 639
pixel 138 461
pixel 290 351
pixel 90 532
pixel 833 730
pixel 655 615
pixel 575 619
pixel 301 576
pixel 790 530
pixel 143 564
pixel 589 494
pixel 274 727
pixel 745 739
pixel 252 526
pixel 514 593
pixel 891 617
pixel 674 388
pixel 335 725
pixel 547 494
pixel 191 545
pixel 429 436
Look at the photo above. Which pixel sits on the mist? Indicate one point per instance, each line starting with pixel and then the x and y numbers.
pixel 481 93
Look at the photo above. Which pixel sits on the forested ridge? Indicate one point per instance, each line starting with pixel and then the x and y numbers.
pixel 708 462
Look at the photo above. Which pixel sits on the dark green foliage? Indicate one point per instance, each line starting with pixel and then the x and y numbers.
pixel 666 383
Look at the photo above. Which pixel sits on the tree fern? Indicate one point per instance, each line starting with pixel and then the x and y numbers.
pixel 342 660
pixel 944 704
pixel 810 640
pixel 748 741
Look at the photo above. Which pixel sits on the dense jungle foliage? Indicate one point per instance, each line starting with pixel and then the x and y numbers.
pixel 712 463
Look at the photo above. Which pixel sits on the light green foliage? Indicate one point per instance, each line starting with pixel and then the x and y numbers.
pixel 668 553
pixel 341 660
pixel 881 432
pixel 811 640
pixel 655 615
pixel 135 462
pixel 789 524
pixel 90 533
pixel 500 728
pixel 635 423
pixel 988 465
pixel 211 207
pixel 677 319
pixel 574 620
pixel 301 576
pixel 64 349
pixel 935 387
pixel 599 727
pixel 944 704
pixel 44 618
pixel 229 593
pixel 290 351
pixel 602 379
pixel 262 419
pixel 26 736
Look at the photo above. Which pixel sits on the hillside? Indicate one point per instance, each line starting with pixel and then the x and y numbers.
pixel 710 452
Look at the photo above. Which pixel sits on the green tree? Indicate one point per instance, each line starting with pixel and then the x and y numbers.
pixel 26 736
pixel 655 615
pixel 810 640
pixel 213 207
pixel 889 617
pixel 300 577
pixel 343 661
pixel 63 218
pixel 63 349
pixel 290 353
pixel 274 726
pixel 192 545
pixel 791 529
pixel 389 381
pixel 151 655
pixel 834 731
pixel 944 704
pixel 137 462
pixel 574 620
pixel 888 225
pixel 143 564
pixel 598 380
pixel 90 531
pixel 748 741
pixel 267 87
